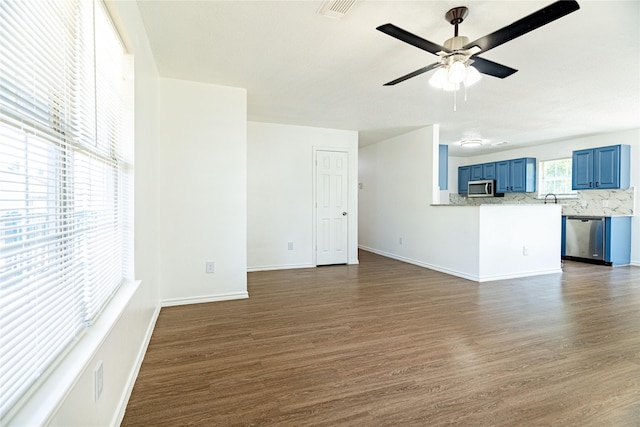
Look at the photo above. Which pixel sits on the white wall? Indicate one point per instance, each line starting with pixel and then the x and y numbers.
pixel 120 336
pixel 511 247
pixel 563 149
pixel 397 218
pixel 203 191
pixel 280 192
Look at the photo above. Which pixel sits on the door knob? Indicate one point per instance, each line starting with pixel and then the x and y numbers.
pixel 344 214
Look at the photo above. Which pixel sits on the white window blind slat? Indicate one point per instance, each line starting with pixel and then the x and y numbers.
pixel 64 233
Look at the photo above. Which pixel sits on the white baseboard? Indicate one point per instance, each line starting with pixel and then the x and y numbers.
pixel 118 416
pixel 279 267
pixel 421 264
pixel 466 276
pixel 203 299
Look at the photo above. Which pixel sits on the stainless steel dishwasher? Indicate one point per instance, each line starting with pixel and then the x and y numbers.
pixel 585 237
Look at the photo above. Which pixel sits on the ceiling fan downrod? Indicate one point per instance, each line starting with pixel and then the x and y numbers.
pixel 455 16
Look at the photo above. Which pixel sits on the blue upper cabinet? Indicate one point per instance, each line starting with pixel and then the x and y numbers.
pixel 601 168
pixel 512 176
pixel 464 174
pixel 502 176
pixel 516 176
pixel 483 171
pixel 476 172
pixel 443 167
pixel 489 171
pixel 582 169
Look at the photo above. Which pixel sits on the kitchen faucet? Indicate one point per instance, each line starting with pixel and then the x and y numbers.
pixel 554 198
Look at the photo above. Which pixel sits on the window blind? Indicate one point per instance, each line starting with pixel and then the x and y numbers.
pixel 65 171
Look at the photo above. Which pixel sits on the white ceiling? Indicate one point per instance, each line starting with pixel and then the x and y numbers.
pixel 579 75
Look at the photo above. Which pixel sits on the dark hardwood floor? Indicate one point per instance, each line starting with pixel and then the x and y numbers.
pixel 386 343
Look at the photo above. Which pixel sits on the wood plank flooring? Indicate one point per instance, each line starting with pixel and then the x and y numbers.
pixel 386 343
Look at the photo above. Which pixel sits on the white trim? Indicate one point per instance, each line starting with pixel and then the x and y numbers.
pixel 279 267
pixel 421 264
pixel 41 406
pixel 199 300
pixel 474 278
pixel 118 415
pixel 519 275
pixel 350 207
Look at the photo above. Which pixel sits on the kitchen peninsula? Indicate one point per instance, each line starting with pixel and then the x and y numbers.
pixel 493 242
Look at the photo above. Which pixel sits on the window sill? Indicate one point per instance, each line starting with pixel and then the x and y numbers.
pixel 48 394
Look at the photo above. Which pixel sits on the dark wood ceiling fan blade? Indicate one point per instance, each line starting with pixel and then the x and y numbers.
pixel 523 26
pixel 492 68
pixel 412 39
pixel 415 73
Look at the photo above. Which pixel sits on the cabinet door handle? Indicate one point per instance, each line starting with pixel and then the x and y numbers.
pixel 597 184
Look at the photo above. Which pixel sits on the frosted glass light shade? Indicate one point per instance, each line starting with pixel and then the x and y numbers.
pixel 473 76
pixel 439 78
pixel 457 72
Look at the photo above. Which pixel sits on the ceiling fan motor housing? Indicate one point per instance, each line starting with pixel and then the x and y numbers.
pixel 456 43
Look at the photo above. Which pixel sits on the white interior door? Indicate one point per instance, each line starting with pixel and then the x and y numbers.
pixel 332 216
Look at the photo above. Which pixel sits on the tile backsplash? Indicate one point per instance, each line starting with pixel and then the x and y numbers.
pixel 587 203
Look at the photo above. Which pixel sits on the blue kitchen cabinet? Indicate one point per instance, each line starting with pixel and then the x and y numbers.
pixel 503 170
pixel 601 168
pixel 617 249
pixel 443 167
pixel 617 240
pixel 464 175
pixel 476 173
pixel 489 171
pixel 483 171
pixel 516 176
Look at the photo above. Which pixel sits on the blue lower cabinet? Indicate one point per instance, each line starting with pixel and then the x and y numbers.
pixel 617 240
pixel 617 249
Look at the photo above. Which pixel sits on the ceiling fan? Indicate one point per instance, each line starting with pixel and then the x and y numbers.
pixel 458 53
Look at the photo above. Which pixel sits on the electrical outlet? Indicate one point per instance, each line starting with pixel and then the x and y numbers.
pixel 290 246
pixel 98 381
pixel 400 240
pixel 210 267
pixel 525 251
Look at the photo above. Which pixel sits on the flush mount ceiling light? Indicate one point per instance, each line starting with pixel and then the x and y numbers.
pixel 470 143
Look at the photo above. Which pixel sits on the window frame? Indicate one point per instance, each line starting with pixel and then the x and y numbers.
pixel 572 194
pixel 63 138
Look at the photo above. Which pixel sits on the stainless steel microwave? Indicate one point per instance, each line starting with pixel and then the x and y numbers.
pixel 484 188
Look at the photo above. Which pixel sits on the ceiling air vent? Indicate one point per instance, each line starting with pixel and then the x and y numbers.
pixel 336 9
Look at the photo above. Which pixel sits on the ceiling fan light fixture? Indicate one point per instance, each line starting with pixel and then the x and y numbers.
pixel 439 78
pixel 457 72
pixel 472 77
